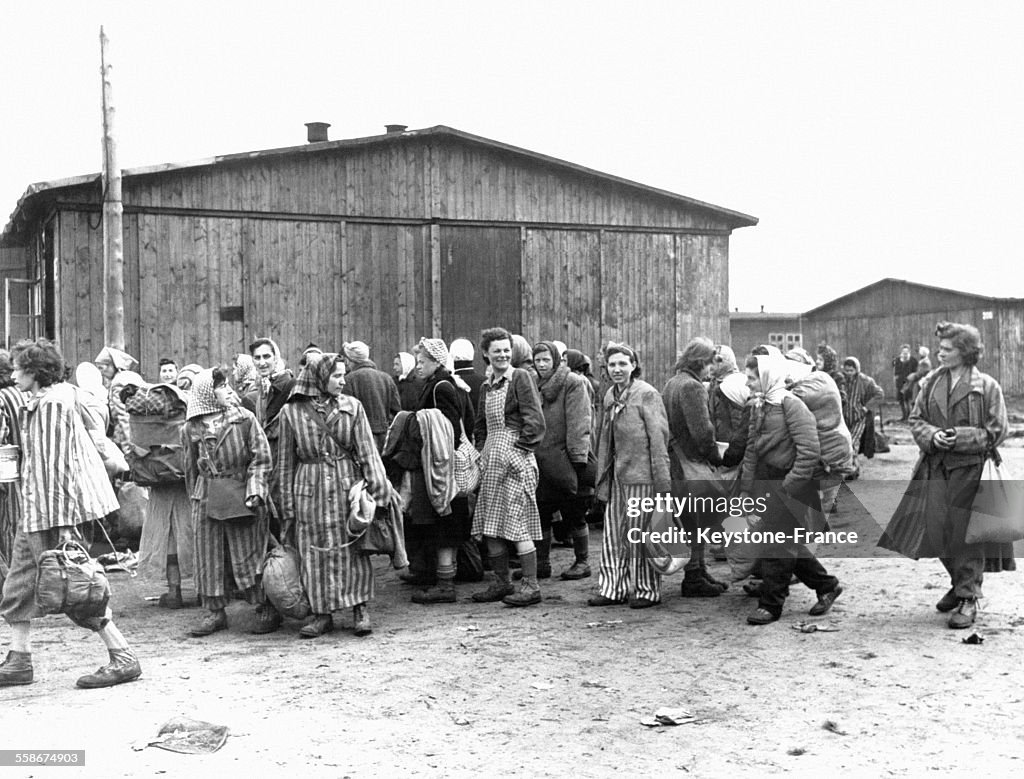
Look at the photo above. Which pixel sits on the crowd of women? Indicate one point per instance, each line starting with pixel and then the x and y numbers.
pixel 273 457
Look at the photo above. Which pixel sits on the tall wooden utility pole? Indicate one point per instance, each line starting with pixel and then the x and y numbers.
pixel 113 242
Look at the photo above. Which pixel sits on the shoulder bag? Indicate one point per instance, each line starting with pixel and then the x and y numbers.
pixel 225 495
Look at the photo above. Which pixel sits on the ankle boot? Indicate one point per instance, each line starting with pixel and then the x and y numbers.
pixel 502 584
pixel 696 586
pixel 581 547
pixel 123 667
pixel 442 592
pixel 171 599
pixel 16 669
pixel 529 591
pixel 361 620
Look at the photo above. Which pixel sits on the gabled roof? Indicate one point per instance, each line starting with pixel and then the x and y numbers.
pixel 733 218
pixel 892 281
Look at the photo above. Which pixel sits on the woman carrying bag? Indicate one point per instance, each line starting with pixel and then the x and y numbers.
pixel 958 420
pixel 227 468
pixel 325 445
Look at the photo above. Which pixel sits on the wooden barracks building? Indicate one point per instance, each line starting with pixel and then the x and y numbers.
pixel 382 239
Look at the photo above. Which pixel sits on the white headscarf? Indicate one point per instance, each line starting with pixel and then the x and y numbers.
pixel 408 364
pixel 772 371
pixel 734 387
pixel 89 378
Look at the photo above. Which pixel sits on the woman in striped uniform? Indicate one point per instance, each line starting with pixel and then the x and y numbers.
pixel 324 446
pixel 11 401
pixel 223 439
pixel 632 464
pixel 509 427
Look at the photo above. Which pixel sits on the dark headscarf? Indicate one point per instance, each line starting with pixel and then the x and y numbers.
pixel 577 361
pixel 548 346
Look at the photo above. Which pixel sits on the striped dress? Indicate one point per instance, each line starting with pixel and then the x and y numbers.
pixel 11 402
pixel 63 481
pixel 316 470
pixel 244 452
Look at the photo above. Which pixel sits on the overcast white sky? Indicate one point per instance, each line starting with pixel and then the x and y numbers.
pixel 871 138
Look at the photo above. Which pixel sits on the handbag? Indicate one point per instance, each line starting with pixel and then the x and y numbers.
pixel 997 512
pixel 68 581
pixel 465 462
pixel 225 499
pixel 368 525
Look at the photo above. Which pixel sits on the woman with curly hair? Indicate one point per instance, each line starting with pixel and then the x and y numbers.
pixel 509 427
pixel 958 420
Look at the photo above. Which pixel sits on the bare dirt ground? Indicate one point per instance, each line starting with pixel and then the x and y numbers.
pixel 468 689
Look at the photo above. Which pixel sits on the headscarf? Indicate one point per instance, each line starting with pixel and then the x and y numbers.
pixel 772 372
pixel 89 378
pixel 312 380
pixel 734 387
pixel 797 370
pixel 356 351
pixel 924 351
pixel 202 400
pixel 798 354
pixel 521 351
pixel 856 363
pixel 552 348
pixel 408 364
pixel 562 349
pixel 120 360
pixel 576 360
pixel 192 370
pixel 829 359
pixel 436 350
pixel 245 372
pixel 308 352
pixel 461 350
pixel 773 351
pixel 728 364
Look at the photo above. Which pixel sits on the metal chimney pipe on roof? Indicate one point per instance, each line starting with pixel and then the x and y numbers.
pixel 393 129
pixel 316 132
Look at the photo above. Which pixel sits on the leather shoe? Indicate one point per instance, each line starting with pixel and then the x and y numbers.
pixel 825 601
pixel 526 596
pixel 643 603
pixel 948 602
pixel 761 617
pixel 16 669
pixel 171 600
pixel 438 594
pixel 361 620
pixel 497 591
pixel 577 571
pixel 317 626
pixel 417 579
pixel 123 667
pixel 211 622
pixel 965 614
pixel 601 600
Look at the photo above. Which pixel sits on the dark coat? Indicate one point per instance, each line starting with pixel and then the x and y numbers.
pixel 377 392
pixel 692 436
pixel 409 390
pixel 267 409
pixel 465 371
pixel 783 437
pixel 522 411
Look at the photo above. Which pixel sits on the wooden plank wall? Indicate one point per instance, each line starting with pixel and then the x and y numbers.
pixel 875 340
pixel 414 178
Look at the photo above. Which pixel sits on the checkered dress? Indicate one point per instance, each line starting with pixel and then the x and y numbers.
pixel 507 504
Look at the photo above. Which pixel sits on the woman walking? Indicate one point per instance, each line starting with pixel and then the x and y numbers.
pixel 958 421
pixel 778 466
pixel 509 427
pixel 863 399
pixel 324 447
pixel 222 441
pixel 632 464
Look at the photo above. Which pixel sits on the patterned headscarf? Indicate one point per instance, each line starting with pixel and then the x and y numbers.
pixel 246 376
pixel 202 400
pixel 312 380
pixel 435 349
